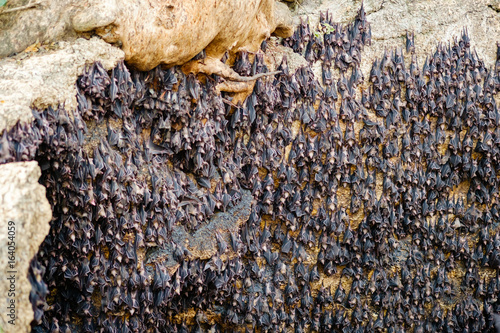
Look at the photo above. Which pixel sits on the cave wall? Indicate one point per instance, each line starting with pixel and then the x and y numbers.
pixel 56 72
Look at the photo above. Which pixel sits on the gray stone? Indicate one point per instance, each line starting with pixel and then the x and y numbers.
pixel 153 32
pixel 47 22
pixel 48 78
pixel 22 201
pixel 103 13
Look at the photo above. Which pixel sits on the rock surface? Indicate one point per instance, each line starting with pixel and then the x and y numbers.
pixel 149 31
pixel 47 79
pixel 47 22
pixel 22 201
pixel 154 32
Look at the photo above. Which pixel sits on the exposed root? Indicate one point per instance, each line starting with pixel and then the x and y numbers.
pixel 215 66
pixel 235 87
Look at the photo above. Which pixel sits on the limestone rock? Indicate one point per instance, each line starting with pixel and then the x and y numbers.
pixel 103 13
pixel 48 78
pixel 22 201
pixel 153 32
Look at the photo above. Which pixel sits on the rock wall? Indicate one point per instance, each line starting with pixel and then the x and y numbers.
pixel 45 74
pixel 432 22
pixel 26 213
pixel 48 21
pixel 152 32
pixel 149 32
pixel 153 115
pixel 48 78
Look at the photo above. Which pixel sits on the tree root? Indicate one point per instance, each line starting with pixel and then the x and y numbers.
pixel 234 82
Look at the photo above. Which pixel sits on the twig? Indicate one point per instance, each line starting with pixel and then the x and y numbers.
pixel 230 103
pixel 28 6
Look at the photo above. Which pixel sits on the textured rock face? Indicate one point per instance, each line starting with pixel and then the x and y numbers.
pixel 151 32
pixel 155 32
pixel 48 79
pixel 47 22
pixel 22 201
pixel 432 22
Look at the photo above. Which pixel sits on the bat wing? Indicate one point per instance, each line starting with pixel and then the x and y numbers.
pixel 496 319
